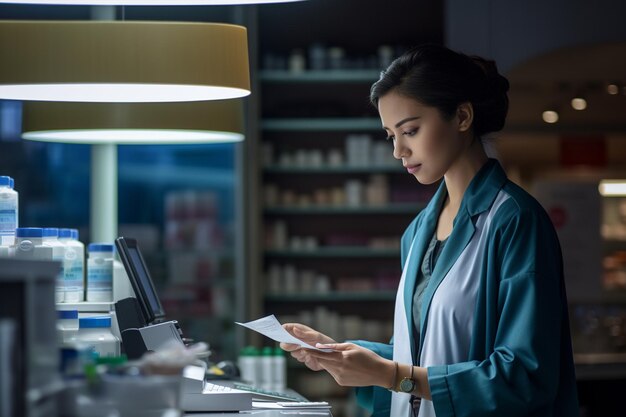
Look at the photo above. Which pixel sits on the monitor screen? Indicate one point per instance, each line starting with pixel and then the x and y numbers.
pixel 140 279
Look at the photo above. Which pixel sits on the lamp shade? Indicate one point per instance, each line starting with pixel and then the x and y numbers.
pixel 134 123
pixel 112 61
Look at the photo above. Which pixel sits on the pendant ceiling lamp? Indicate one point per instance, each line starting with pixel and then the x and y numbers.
pixel 107 125
pixel 123 62
pixel 146 2
pixel 134 123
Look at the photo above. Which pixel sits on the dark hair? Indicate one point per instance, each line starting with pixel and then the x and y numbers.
pixel 439 77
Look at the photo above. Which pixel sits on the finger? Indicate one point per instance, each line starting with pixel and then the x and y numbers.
pixel 326 357
pixel 289 347
pixel 299 355
pixel 302 332
pixel 335 346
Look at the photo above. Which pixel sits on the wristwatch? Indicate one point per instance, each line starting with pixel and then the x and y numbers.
pixel 407 385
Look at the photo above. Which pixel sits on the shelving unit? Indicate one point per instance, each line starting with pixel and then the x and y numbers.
pixel 325 258
pixel 361 278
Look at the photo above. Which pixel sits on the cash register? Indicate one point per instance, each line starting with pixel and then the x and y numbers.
pixel 144 327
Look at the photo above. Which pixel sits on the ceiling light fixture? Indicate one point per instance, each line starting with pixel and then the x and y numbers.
pixel 550 116
pixel 123 62
pixel 612 89
pixel 579 103
pixel 134 123
pixel 106 125
pixel 612 188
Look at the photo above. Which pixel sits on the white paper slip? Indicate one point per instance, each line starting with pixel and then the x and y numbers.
pixel 270 326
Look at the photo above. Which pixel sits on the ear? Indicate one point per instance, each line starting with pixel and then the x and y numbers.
pixel 465 116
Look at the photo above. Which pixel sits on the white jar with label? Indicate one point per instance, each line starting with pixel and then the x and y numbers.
pixel 8 211
pixel 95 332
pixel 29 246
pixel 67 326
pixel 51 239
pixel 267 373
pixel 74 265
pixel 280 369
pixel 100 272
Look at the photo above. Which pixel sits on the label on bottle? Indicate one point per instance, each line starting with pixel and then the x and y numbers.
pixel 99 279
pixel 74 271
pixel 8 221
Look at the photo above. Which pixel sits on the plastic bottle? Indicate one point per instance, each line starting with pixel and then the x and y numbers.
pixel 8 211
pixel 96 333
pixel 67 325
pixel 280 369
pixel 74 266
pixel 29 244
pixel 100 272
pixel 51 239
pixel 247 364
pixel 267 372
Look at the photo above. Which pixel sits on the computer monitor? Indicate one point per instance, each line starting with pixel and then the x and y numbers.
pixel 140 279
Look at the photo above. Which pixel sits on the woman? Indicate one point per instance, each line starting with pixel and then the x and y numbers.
pixel 481 322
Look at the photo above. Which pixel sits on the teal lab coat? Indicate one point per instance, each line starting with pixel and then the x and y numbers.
pixel 520 357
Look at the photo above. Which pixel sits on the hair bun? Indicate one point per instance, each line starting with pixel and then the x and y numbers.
pixel 495 83
pixel 490 101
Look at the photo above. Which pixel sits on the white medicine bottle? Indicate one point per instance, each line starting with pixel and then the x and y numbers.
pixel 267 371
pixel 247 363
pixel 280 369
pixel 100 272
pixel 95 332
pixel 67 326
pixel 74 265
pixel 51 239
pixel 29 244
pixel 8 211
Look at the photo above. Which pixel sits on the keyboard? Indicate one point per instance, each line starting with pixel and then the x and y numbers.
pixel 200 395
pixel 266 394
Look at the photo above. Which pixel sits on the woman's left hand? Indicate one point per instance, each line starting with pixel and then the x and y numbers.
pixel 354 366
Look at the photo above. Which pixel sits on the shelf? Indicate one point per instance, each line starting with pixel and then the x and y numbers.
pixel 88 306
pixel 349 124
pixel 336 170
pixel 320 76
pixel 412 208
pixel 338 296
pixel 335 252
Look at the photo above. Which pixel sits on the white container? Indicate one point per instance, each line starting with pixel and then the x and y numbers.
pixel 100 272
pixel 29 246
pixel 95 332
pixel 267 372
pixel 280 369
pixel 248 364
pixel 51 239
pixel 74 266
pixel 8 211
pixel 354 193
pixel 67 326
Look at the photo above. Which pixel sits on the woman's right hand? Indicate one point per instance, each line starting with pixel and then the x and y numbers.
pixel 308 335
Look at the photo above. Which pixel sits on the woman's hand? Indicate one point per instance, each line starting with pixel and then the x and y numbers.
pixel 308 335
pixel 354 366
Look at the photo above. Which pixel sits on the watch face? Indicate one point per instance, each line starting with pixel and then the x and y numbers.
pixel 407 385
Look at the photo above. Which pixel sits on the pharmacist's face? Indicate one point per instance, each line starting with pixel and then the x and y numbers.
pixel 423 140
